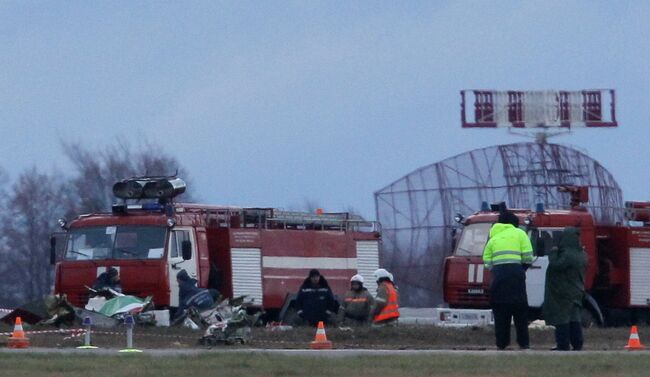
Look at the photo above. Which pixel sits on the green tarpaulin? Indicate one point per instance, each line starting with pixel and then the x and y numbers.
pixel 123 304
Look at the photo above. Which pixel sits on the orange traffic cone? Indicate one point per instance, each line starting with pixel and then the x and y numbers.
pixel 17 338
pixel 320 341
pixel 634 343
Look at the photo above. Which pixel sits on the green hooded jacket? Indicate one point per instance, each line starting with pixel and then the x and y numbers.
pixel 565 276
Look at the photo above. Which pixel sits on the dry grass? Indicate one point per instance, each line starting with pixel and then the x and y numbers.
pixel 404 337
pixel 253 365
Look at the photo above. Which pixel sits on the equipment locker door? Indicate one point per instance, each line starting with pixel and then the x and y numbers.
pixel 543 240
pixel 535 281
pixel 175 257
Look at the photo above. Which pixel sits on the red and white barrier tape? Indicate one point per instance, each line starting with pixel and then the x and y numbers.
pixel 121 333
pixel 60 331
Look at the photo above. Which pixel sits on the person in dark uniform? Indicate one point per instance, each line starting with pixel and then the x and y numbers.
pixel 108 279
pixel 315 301
pixel 191 296
pixel 508 254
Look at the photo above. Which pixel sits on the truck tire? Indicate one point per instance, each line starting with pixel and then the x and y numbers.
pixel 291 317
pixel 288 312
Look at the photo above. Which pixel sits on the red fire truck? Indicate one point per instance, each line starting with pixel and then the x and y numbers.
pixel 262 253
pixel 617 279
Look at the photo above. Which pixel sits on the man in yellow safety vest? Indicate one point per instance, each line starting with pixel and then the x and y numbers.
pixel 508 254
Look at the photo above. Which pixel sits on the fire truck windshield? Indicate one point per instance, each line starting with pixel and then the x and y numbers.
pixel 473 239
pixel 116 242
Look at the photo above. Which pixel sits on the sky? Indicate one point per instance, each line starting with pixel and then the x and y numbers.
pixel 275 103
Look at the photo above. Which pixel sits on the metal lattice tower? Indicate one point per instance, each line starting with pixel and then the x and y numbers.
pixel 417 210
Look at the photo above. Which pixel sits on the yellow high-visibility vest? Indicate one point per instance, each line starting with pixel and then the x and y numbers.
pixel 507 244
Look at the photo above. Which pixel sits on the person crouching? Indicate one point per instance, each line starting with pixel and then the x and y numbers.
pixel 315 301
pixel 355 309
pixel 191 296
pixel 385 311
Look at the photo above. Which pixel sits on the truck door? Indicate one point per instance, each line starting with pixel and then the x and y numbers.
pixel 543 239
pixel 175 258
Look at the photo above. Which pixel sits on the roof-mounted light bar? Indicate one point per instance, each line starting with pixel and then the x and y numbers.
pixel 149 188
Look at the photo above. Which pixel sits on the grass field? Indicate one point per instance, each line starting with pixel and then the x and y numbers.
pixel 243 363
pixel 403 337
pixel 254 365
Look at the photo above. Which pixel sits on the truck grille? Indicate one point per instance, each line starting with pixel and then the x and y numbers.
pixel 464 297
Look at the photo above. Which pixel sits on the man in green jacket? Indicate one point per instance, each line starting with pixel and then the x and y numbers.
pixel 356 305
pixel 508 254
pixel 565 290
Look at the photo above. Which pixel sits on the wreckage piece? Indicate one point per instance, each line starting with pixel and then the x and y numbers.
pixel 95 303
pixel 223 311
pixel 124 304
pixel 237 301
pixel 111 312
pixel 215 336
pixel 220 313
pixel 32 312
pixel 98 319
pixel 235 330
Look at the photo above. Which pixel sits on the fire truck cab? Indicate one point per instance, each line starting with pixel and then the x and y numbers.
pixel 262 253
pixel 618 290
pixel 466 279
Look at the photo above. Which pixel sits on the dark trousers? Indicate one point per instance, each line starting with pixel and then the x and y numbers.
pixel 569 334
pixel 503 314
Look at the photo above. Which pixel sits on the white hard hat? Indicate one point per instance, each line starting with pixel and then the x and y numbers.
pixel 358 278
pixel 382 273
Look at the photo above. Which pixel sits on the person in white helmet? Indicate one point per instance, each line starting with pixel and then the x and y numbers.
pixel 385 312
pixel 355 308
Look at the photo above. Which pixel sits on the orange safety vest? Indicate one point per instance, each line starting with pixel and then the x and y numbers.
pixel 391 310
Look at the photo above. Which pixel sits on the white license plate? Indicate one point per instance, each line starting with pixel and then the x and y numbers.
pixel 475 291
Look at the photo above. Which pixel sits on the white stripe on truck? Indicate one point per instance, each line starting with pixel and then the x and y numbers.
pixel 479 273
pixel 309 263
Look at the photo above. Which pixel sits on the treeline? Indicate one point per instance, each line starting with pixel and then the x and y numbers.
pixel 32 202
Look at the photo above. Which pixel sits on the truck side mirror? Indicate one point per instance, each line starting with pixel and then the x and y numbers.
pixel 454 239
pixel 186 249
pixel 53 250
pixel 57 246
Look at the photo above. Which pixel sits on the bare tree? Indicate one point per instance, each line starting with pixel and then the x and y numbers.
pixel 4 267
pixel 352 211
pixel 36 199
pixel 32 206
pixel 97 170
pixel 310 205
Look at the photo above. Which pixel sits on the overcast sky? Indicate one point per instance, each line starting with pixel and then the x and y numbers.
pixel 271 103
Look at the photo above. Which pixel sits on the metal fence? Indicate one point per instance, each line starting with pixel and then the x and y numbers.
pixel 417 211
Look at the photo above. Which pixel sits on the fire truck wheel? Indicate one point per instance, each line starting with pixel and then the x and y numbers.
pixel 291 317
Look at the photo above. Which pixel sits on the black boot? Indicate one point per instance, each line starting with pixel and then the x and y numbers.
pixel 562 337
pixel 575 334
